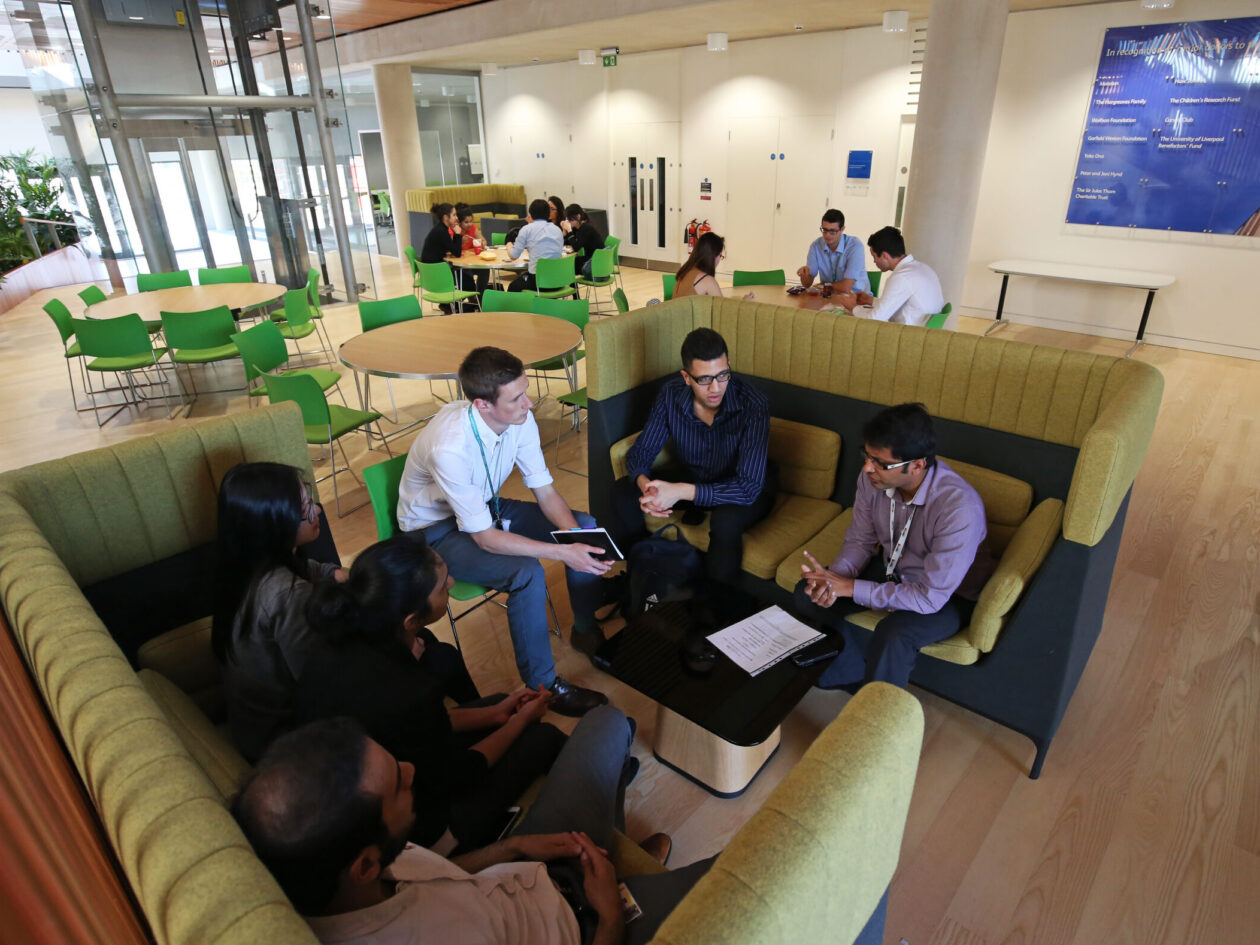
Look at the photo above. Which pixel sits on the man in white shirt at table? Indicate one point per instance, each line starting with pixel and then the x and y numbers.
pixel 450 491
pixel 910 293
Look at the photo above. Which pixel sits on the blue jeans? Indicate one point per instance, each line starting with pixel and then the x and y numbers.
pixel 523 580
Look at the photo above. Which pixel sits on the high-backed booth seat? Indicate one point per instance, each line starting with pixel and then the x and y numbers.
pixel 814 863
pixel 486 200
pixel 1051 439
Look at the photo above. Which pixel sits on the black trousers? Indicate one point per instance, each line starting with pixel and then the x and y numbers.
pixel 525 282
pixel 727 523
pixel 891 651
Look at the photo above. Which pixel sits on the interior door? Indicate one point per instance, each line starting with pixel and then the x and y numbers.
pixel 751 196
pixel 802 185
pixel 646 214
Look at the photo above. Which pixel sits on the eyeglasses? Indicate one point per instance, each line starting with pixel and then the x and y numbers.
pixel 886 467
pixel 310 511
pixel 828 229
pixel 706 380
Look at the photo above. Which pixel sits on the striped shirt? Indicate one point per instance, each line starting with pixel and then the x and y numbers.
pixel 727 461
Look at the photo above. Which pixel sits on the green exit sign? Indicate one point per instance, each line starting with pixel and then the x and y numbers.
pixel 610 60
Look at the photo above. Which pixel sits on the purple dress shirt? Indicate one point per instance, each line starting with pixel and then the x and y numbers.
pixel 942 556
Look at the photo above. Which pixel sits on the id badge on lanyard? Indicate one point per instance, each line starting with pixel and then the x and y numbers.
pixel 894 557
pixel 496 511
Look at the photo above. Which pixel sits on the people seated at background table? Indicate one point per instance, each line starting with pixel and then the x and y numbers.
pixel 698 275
pixel 471 280
pixel 385 669
pixel 915 548
pixel 835 258
pixel 262 581
pixel 717 427
pixel 329 811
pixel 909 295
pixel 580 234
pixel 556 214
pixel 450 490
pixel 444 239
pixel 543 240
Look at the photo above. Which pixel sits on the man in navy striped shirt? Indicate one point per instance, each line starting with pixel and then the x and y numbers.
pixel 718 430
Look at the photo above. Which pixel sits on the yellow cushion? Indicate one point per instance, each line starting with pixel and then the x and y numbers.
pixel 1006 500
pixel 824 545
pixel 806 456
pixel 221 762
pixel 183 656
pixel 619 450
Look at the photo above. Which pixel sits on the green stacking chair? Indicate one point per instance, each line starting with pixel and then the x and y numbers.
pixel 494 300
pixel 317 313
pixel 382 481
pixel 498 239
pixel 378 314
pixel 874 276
pixel 148 281
pixel 555 278
pixel 619 299
pixel 601 274
pixel 614 243
pixel 71 350
pixel 413 261
pixel 667 282
pixel 299 323
pixel 325 423
pixel 938 320
pixel 121 346
pixel 574 311
pixel 263 350
pixel 93 294
pixel 200 338
pixel 743 277
pixel 224 275
pixel 437 285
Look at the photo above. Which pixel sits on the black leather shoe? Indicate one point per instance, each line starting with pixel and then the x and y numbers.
pixel 568 699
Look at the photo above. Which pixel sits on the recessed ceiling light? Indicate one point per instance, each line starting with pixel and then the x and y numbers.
pixel 135 18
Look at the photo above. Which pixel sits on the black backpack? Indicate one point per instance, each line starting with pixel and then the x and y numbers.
pixel 661 569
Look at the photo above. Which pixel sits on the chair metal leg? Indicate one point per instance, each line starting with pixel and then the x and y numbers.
pixel 450 615
pixel 555 620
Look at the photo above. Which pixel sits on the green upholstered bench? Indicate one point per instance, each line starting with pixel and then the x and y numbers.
pixel 1052 439
pixel 816 859
pixel 806 457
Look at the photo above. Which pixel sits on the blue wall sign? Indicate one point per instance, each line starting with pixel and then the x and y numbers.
pixel 1172 138
pixel 860 164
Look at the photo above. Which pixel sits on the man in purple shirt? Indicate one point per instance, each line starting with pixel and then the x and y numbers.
pixel 928 526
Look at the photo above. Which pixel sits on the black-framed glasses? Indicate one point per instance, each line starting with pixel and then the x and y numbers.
pixel 706 380
pixel 886 467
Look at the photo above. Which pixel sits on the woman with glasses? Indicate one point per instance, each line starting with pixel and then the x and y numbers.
pixel 267 516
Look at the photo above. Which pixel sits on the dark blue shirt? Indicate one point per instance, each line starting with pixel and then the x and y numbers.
pixel 726 460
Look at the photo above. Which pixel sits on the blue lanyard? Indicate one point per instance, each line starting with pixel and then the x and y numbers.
pixel 494 499
pixel 835 263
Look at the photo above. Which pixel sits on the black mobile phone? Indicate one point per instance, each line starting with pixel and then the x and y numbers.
pixel 810 659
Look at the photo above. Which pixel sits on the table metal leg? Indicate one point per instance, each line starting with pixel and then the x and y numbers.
pixel 997 318
pixel 1146 313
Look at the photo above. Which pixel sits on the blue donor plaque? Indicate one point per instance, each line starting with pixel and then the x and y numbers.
pixel 860 164
pixel 1172 139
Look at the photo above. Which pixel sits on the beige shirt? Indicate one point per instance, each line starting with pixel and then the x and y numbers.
pixel 439 903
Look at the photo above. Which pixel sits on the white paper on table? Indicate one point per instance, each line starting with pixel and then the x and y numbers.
pixel 758 642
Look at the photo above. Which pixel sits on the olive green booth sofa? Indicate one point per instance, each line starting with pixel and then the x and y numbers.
pixel 486 200
pixel 815 862
pixel 1051 439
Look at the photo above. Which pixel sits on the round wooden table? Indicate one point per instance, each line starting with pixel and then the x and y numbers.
pixel 432 348
pixel 778 295
pixel 502 260
pixel 188 298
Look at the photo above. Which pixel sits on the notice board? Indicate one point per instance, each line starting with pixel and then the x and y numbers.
pixel 1172 135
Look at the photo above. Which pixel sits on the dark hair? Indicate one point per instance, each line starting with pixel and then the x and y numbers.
pixel 702 344
pixel 539 209
pixel 440 210
pixel 705 256
pixel 304 811
pixel 512 234
pixel 558 204
pixel 463 211
pixel 574 211
pixel 485 370
pixel 388 582
pixel 905 430
pixel 888 240
pixel 260 511
pixel 834 216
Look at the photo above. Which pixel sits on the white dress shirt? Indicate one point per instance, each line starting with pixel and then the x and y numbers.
pixel 909 295
pixel 444 474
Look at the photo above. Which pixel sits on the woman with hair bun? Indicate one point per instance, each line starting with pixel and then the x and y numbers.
pixel 259 634
pixel 471 761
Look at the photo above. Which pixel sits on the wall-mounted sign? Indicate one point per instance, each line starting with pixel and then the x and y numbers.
pixel 860 165
pixel 610 60
pixel 1172 136
pixel 706 189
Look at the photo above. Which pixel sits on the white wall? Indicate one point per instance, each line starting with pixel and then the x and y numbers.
pixel 23 128
pixel 1044 88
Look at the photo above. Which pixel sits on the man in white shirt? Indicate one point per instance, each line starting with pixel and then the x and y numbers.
pixel 450 490
pixel 910 293
pixel 328 811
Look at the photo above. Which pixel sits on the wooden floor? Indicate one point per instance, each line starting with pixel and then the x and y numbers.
pixel 1144 827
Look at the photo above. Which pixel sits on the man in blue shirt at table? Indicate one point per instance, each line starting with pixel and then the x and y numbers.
pixel 835 258
pixel 542 238
pixel 718 430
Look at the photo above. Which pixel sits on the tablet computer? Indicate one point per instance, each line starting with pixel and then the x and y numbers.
pixel 598 537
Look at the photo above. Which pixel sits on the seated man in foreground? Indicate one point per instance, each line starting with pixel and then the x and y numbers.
pixel 450 489
pixel 930 524
pixel 718 428
pixel 911 292
pixel 328 811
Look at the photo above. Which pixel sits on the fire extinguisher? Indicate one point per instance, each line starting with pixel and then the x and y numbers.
pixel 702 229
pixel 690 234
